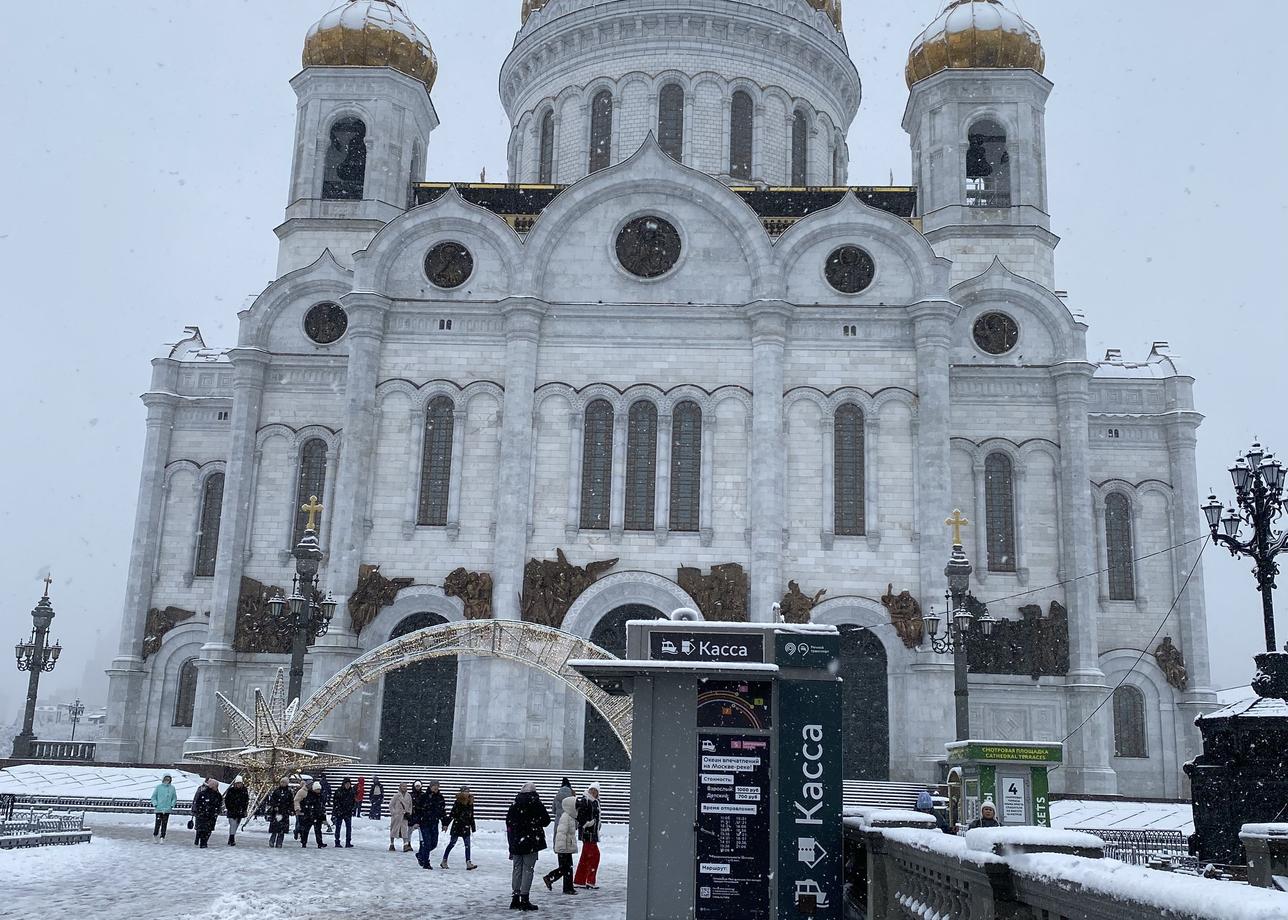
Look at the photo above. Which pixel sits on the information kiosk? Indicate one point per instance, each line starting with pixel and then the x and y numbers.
pixel 735 769
pixel 1011 773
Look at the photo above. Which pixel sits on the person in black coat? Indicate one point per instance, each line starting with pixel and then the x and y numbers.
pixel 377 800
pixel 279 807
pixel 343 805
pixel 429 810
pixel 987 816
pixel 236 802
pixel 525 825
pixel 312 815
pixel 205 810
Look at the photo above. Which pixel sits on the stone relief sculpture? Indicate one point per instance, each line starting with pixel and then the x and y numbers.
pixel 723 595
pixel 159 623
pixel 1033 645
pixel 474 589
pixel 1172 662
pixel 256 630
pixel 796 606
pixel 905 614
pixel 551 585
pixel 372 593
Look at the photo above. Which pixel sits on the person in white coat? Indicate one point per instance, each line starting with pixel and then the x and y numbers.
pixel 565 846
pixel 400 806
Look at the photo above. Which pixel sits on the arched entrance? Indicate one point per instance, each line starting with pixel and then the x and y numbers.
pixel 865 706
pixel 600 748
pixel 419 704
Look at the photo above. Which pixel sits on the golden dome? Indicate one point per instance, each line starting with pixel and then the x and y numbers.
pixel 371 33
pixel 530 7
pixel 831 7
pixel 975 33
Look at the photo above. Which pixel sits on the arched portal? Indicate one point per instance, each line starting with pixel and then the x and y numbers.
pixel 419 704
pixel 600 748
pixel 865 707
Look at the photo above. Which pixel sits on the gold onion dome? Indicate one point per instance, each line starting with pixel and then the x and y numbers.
pixel 975 34
pixel 371 33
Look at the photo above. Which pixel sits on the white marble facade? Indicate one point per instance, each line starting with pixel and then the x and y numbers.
pixel 747 326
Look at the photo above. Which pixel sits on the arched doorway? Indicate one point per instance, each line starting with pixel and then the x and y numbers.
pixel 865 705
pixel 419 706
pixel 600 748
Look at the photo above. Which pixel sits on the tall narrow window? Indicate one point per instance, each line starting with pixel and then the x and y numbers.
pixel 686 467
pixel 546 146
pixel 848 455
pixel 186 696
pixel 601 130
pixel 345 167
pixel 641 465
pixel 1118 543
pixel 436 463
pixel 670 120
pixel 1129 722
pixel 212 501
pixel 999 505
pixel 597 466
pixel 800 147
pixel 311 481
pixel 838 171
pixel 741 121
pixel 417 172
pixel 988 166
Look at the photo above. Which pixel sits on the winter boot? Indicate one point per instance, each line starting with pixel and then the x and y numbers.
pixel 443 864
pixel 526 903
pixel 549 880
pixel 516 903
pixel 232 840
pixel 470 865
pixel 407 846
pixel 391 846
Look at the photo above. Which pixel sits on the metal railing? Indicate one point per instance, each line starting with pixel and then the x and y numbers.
pixel 33 828
pixel 1159 849
pixel 74 751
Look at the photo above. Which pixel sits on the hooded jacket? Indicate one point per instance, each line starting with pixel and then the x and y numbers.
pixel 164 797
pixel 525 823
pixel 566 830
pixel 236 801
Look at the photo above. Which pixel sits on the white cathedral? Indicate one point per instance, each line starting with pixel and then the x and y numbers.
pixel 676 361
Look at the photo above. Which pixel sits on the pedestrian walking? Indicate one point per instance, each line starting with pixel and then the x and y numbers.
pixel 987 816
pixel 377 799
pixel 163 801
pixel 429 809
pixel 343 804
pixel 279 806
pixel 926 805
pixel 565 846
pixel 236 802
pixel 296 801
pixel 205 810
pixel 312 816
pixel 588 830
pixel 400 807
pixel 326 791
pixel 462 824
pixel 525 824
pixel 556 804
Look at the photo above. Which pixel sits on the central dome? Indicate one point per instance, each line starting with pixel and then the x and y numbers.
pixel 831 7
pixel 371 33
pixel 975 34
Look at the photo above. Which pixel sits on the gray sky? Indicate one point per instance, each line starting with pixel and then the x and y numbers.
pixel 147 158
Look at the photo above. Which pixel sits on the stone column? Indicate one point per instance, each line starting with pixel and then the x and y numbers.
pixel 662 484
pixel 769 319
pixel 123 740
pixel 1086 754
pixel 932 334
pixel 218 660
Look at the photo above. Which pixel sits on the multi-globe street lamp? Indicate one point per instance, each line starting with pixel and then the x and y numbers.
pixel 306 615
pixel 38 657
pixel 75 711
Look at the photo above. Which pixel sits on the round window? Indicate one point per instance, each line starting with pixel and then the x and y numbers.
pixel 449 265
pixel 325 322
pixel 850 269
pixel 648 247
pixel 996 333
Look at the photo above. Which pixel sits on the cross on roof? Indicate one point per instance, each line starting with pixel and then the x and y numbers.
pixel 313 509
pixel 957 522
pixel 48 580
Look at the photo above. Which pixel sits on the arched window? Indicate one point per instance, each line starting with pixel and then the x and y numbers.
pixel 1118 545
pixel 848 454
pixel 597 466
pixel 741 121
pixel 641 465
pixel 186 697
pixel 212 501
pixel 999 516
pixel 601 130
pixel 546 149
pixel 800 147
pixel 1129 722
pixel 670 120
pixel 311 481
pixel 436 463
pixel 837 170
pixel 417 172
pixel 988 166
pixel 346 160
pixel 686 467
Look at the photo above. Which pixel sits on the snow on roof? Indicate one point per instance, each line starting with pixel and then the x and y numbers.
pixel 869 816
pixel 356 14
pixel 99 782
pixel 1160 364
pixel 1253 706
pixel 1089 815
pixel 985 838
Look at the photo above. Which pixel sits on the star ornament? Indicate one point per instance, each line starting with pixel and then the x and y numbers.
pixel 273 745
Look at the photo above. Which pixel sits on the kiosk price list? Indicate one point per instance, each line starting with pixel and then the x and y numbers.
pixel 733 828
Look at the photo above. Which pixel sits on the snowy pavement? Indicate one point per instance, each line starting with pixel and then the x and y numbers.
pixel 124 875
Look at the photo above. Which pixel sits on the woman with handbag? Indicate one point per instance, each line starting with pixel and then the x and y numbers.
pixel 588 829
pixel 461 820
pixel 206 805
pixel 400 807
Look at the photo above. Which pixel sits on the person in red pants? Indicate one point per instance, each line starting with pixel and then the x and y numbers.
pixel 588 829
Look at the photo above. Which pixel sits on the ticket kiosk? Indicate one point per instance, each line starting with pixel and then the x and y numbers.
pixel 1011 773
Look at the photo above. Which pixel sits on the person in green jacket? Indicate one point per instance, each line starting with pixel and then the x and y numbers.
pixel 163 799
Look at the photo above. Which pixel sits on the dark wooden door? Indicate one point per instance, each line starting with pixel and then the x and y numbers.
pixel 419 707
pixel 865 717
pixel 600 748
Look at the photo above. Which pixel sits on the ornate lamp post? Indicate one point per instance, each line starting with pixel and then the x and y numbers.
pixel 38 657
pixel 305 614
pixel 75 711
pixel 961 605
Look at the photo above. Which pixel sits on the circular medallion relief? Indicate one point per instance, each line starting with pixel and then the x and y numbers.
pixel 449 265
pixel 648 247
pixel 996 333
pixel 325 322
pixel 850 269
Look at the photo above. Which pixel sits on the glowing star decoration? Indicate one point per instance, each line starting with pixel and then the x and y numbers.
pixel 273 744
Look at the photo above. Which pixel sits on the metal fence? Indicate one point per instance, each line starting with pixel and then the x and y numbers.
pixel 1157 849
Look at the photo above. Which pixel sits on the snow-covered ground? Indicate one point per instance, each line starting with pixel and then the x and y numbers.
pixel 124 875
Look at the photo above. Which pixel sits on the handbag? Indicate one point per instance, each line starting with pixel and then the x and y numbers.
pixel 190 824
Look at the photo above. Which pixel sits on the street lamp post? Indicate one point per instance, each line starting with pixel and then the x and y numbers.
pixel 305 614
pixel 38 657
pixel 75 711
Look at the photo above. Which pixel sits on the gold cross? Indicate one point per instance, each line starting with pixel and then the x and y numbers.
pixel 957 522
pixel 313 508
pixel 48 579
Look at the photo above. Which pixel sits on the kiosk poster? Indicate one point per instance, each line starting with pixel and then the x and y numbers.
pixel 809 799
pixel 732 845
